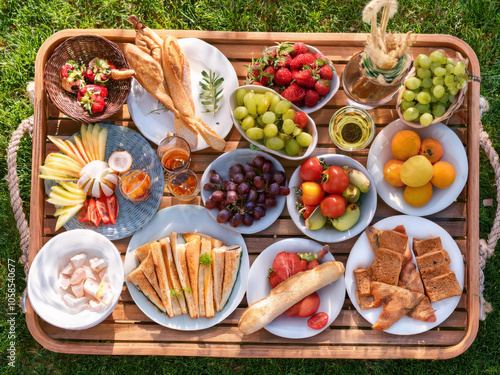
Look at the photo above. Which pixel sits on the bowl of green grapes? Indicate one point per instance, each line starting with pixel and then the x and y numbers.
pixel 272 123
pixel 434 90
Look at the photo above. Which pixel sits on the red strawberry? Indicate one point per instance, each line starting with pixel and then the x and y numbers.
pixel 299 48
pixel 301 119
pixel 305 59
pixel 312 264
pixel 254 70
pixel 89 75
pixel 326 72
pixel 311 98
pixel 91 98
pixel 274 279
pixel 282 76
pixel 280 266
pixel 294 93
pixel 98 103
pixel 322 86
pixel 320 56
pixel 283 60
pixel 267 75
pixel 304 78
pixel 257 83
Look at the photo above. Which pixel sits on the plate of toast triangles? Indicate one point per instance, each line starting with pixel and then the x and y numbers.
pixel 183 272
pixel 405 275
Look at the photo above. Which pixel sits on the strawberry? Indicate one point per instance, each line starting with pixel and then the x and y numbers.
pixel 322 86
pixel 267 75
pixel 101 90
pixel 326 72
pixel 91 98
pixel 299 48
pixel 283 76
pixel 90 75
pixel 283 60
pixel 320 56
pixel 98 104
pixel 304 59
pixel 304 78
pixel 257 83
pixel 311 98
pixel 301 119
pixel 294 93
pixel 254 70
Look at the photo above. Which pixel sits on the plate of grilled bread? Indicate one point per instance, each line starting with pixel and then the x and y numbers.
pixel 189 71
pixel 405 275
pixel 185 273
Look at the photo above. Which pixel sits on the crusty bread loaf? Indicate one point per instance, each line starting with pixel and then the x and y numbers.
pixel 362 281
pixel 421 247
pixel 386 266
pixel 443 286
pixel 431 260
pixel 288 293
pixel 393 240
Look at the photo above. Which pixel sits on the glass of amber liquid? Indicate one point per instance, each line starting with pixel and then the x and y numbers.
pixel 135 185
pixel 183 185
pixel 174 153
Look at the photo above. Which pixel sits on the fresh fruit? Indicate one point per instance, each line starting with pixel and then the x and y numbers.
pixel 316 221
pixel 91 98
pixel 96 179
pixel 311 98
pixel 309 305
pixel 416 171
pixel 65 213
pixel 311 170
pixel 306 211
pixel 322 86
pixel 318 321
pixel 351 193
pixel 432 149
pixel 283 76
pixel 312 193
pixel 405 144
pixel 392 170
pixel 348 219
pixel 294 93
pixel 326 72
pixel 335 180
pixel 120 161
pixel 418 196
pixel 358 179
pixel 333 206
pixel 443 174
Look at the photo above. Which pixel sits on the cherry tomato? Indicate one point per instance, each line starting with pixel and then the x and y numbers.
pixel 307 307
pixel 318 321
pixel 333 206
pixel 312 193
pixel 335 181
pixel 311 170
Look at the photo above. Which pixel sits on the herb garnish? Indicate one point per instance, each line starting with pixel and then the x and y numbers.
pixel 211 92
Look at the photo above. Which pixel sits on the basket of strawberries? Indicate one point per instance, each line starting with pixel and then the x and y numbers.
pixel 299 72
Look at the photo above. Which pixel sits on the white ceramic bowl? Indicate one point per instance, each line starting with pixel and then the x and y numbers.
pixel 44 294
pixel 454 153
pixel 310 128
pixel 221 165
pixel 367 203
pixel 334 85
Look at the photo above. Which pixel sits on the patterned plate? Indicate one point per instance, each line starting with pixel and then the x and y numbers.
pixel 131 216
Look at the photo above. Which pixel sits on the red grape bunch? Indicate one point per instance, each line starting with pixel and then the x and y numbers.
pixel 251 189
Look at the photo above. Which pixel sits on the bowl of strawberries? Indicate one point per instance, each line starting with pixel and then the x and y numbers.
pixel 298 72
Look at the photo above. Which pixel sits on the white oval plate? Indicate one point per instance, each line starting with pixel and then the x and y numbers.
pixel 454 153
pixel 221 166
pixel 367 203
pixel 44 294
pixel 362 255
pixel 310 127
pixel 334 85
pixel 201 56
pixel 332 296
pixel 185 218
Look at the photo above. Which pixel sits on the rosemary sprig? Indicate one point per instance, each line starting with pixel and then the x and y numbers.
pixel 211 91
pixel 158 110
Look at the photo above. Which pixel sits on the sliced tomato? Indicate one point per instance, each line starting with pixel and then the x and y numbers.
pixel 294 310
pixel 103 210
pixel 295 264
pixel 94 215
pixel 318 321
pixel 309 305
pixel 312 264
pixel 280 266
pixel 112 206
pixel 274 278
pixel 83 215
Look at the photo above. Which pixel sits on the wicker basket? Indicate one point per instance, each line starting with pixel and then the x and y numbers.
pixel 451 109
pixel 83 48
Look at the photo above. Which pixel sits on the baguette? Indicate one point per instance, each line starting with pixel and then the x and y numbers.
pixel 288 293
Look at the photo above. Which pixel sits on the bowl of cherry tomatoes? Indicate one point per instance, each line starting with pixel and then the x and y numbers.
pixel 335 198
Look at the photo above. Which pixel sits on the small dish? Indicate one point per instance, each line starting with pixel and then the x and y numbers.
pixel 44 294
pixel 351 129
pixel 332 296
pixel 221 165
pixel 310 128
pixel 367 203
pixel 454 153
pixel 183 185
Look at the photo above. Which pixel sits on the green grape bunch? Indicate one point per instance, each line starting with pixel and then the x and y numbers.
pixel 270 120
pixel 429 94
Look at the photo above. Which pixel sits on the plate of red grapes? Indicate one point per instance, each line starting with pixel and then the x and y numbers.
pixel 245 190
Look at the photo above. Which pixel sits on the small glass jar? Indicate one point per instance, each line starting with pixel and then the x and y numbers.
pixel 367 91
pixel 351 129
pixel 174 153
pixel 183 185
pixel 135 185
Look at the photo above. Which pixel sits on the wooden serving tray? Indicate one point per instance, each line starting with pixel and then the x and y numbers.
pixel 128 331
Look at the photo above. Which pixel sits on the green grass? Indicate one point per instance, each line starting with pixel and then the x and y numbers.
pixel 25 25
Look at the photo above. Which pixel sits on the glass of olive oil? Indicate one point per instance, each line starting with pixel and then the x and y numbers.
pixel 351 129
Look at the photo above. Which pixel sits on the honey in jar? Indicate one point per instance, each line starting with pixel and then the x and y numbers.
pixel 135 185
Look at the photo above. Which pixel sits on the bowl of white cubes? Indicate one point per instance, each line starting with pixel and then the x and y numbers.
pixel 76 279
